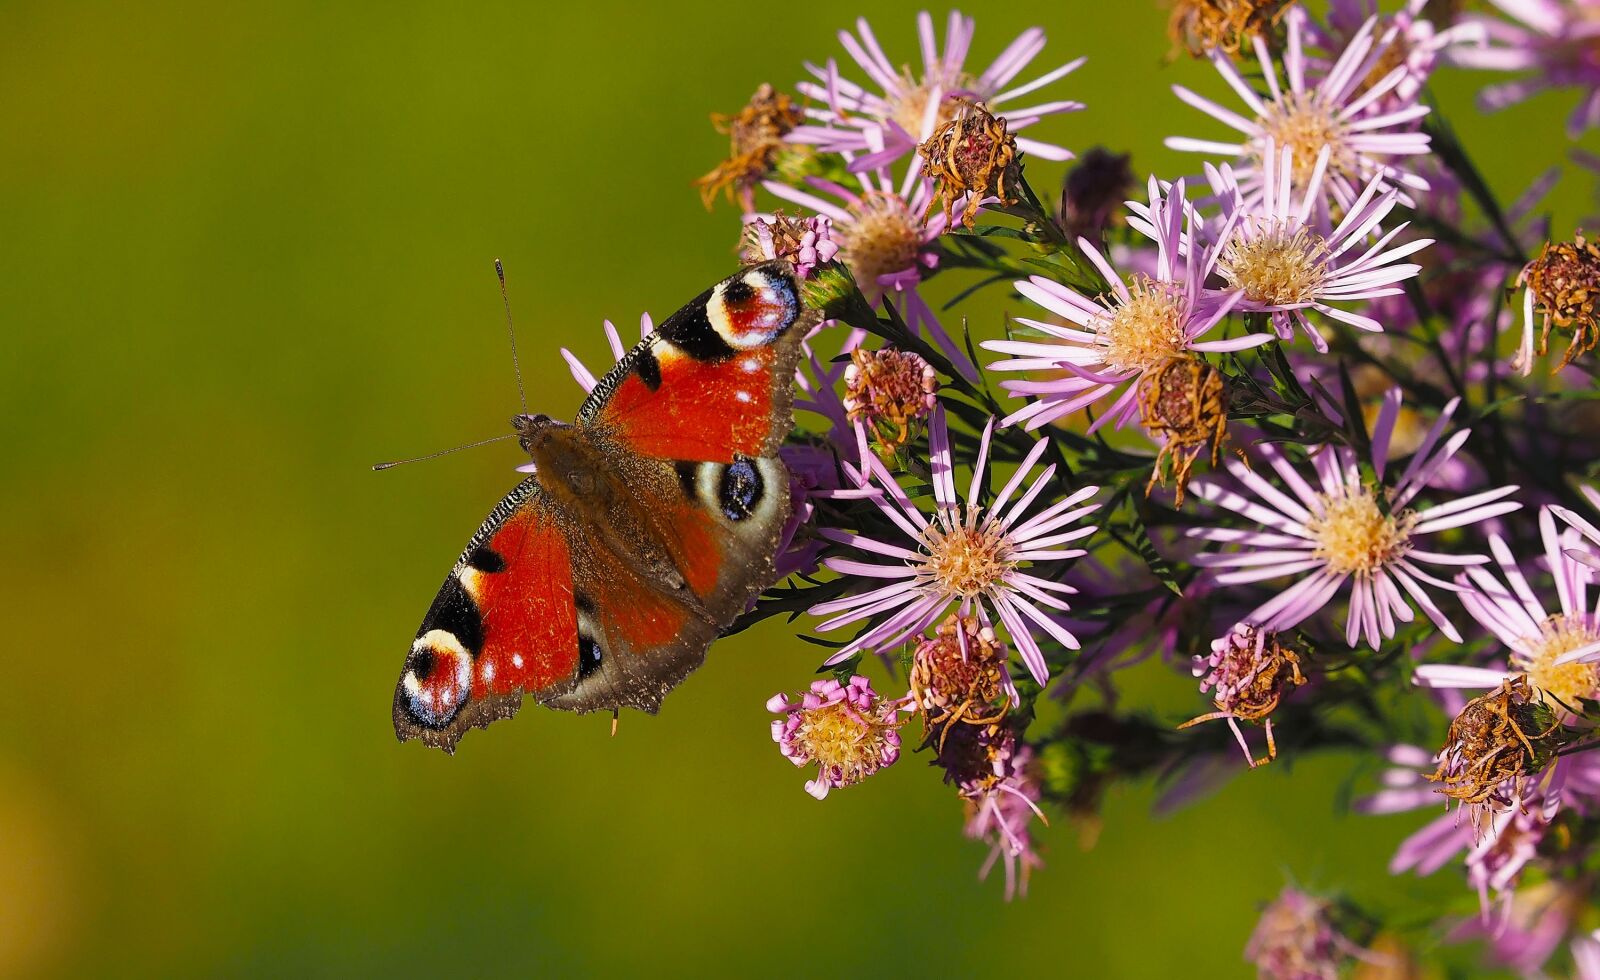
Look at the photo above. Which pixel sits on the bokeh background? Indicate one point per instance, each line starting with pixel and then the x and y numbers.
pixel 246 253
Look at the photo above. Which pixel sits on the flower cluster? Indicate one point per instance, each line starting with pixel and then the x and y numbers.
pixel 1251 425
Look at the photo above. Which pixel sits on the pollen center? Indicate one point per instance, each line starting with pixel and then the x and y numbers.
pixel 1354 536
pixel 1275 262
pixel 908 108
pixel 1304 124
pixel 1566 683
pixel 841 741
pixel 967 562
pixel 1146 331
pixel 883 239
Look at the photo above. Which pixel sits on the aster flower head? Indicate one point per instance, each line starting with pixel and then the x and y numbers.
pixel 1249 670
pixel 1274 257
pixel 890 392
pixel 882 121
pixel 845 729
pixel 1295 939
pixel 755 136
pixel 885 236
pixel 1522 808
pixel 1556 653
pixel 1553 42
pixel 1407 38
pixel 1495 745
pixel 1313 116
pixel 959 677
pixel 1562 288
pixel 966 554
pixel 1002 803
pixel 971 157
pixel 1111 343
pixel 1092 195
pixel 1347 530
pixel 806 243
pixel 1203 27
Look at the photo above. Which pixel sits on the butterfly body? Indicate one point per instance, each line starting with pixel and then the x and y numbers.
pixel 648 525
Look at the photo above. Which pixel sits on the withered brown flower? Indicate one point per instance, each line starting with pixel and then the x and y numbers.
pixel 972 154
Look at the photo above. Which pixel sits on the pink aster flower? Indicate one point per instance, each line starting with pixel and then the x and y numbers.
pixel 1275 259
pixel 1111 343
pixel 1497 843
pixel 1250 672
pixel 965 553
pixel 1556 651
pixel 885 237
pixel 1557 42
pixel 1406 37
pixel 1001 807
pixel 1346 531
pixel 847 730
pixel 807 243
pixel 1311 115
pixel 1295 939
pixel 904 110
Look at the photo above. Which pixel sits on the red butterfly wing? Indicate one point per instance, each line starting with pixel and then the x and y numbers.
pixel 715 380
pixel 503 624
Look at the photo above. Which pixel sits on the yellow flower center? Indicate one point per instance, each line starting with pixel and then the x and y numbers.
pixel 837 737
pixel 1565 683
pixel 1305 124
pixel 967 562
pixel 884 238
pixel 1146 331
pixel 909 109
pixel 1281 263
pixel 1354 536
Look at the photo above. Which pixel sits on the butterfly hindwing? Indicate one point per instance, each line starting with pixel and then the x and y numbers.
pixel 719 524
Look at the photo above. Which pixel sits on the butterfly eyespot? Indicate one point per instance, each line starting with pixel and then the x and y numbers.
pixel 437 680
pixel 740 489
pixel 589 656
pixel 751 311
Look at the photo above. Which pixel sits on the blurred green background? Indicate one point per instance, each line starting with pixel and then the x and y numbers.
pixel 245 254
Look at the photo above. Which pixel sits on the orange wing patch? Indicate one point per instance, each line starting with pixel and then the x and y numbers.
pixel 701 410
pixel 530 625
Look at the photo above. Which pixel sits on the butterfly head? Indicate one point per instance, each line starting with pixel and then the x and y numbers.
pixel 533 430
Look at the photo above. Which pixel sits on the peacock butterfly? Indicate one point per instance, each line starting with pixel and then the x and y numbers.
pixel 648 525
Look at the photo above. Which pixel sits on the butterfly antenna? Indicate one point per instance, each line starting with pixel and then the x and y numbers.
pixel 443 452
pixel 500 271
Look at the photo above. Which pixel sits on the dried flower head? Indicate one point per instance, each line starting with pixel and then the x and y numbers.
pixel 1091 198
pixel 755 140
pixel 847 730
pixel 958 678
pixel 1204 26
pixel 1496 740
pixel 1295 939
pixel 891 391
pixel 805 242
pixel 971 154
pixel 1249 670
pixel 1184 404
pixel 1563 285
